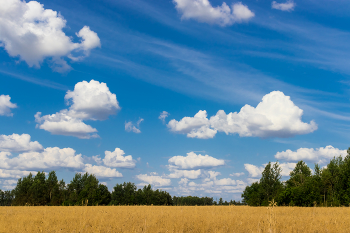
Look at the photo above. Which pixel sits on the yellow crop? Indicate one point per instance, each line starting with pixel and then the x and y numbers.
pixel 174 219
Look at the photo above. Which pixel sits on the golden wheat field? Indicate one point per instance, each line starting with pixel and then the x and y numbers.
pixel 174 219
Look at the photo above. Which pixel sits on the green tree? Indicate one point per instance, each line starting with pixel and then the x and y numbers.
pixel 270 182
pixel 38 189
pixel 331 179
pixel 83 190
pixel 104 196
pixel 252 194
pixel 22 192
pixel 53 191
pixel 6 198
pixel 299 175
pixel 124 194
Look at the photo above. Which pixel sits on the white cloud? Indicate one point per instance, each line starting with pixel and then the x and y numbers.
pixel 183 181
pixel 226 182
pixel 13 174
pixel 211 185
pixel 189 174
pixel 97 159
pixel 287 168
pixel 203 11
pixel 163 115
pixel 321 155
pixel 255 171
pixel 63 124
pixel 153 180
pixel 197 126
pixel 237 174
pixel 90 40
pixel 117 159
pixel 203 132
pixel 194 161
pixel 8 184
pixel 104 183
pixel 18 143
pixel 89 101
pixel 101 171
pixel 50 158
pixel 252 180
pixel 213 175
pixel 287 6
pixel 275 116
pixel 130 127
pixel 32 33
pixel 191 166
pixel 5 103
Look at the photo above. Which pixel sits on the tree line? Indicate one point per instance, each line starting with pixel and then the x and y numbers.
pixel 327 186
pixel 201 201
pixel 85 189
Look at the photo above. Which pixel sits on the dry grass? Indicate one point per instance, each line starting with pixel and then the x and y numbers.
pixel 174 219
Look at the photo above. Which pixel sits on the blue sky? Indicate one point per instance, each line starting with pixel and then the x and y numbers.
pixel 84 85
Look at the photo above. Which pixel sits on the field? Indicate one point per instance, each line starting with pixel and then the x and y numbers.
pixel 174 219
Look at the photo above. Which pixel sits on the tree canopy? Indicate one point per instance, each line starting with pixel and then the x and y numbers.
pixel 85 189
pixel 328 186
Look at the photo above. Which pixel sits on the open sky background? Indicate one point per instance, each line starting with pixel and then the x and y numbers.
pixel 191 96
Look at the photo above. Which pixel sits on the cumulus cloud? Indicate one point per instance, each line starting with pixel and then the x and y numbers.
pixel 255 171
pixel 193 166
pixel 287 6
pixel 6 105
pixel 275 116
pixel 34 158
pixel 163 115
pixel 130 127
pixel 102 171
pixel 320 155
pixel 189 174
pixel 14 174
pixel 88 101
pixel 97 159
pixel 183 181
pixel 18 143
pixel 63 124
pixel 33 33
pixel 252 180
pixel 91 101
pixel 211 185
pixel 194 161
pixel 203 11
pixel 212 175
pixel 194 127
pixel 286 168
pixel 117 159
pixel 8 184
pixel 49 158
pixel 153 180
pixel 237 174
pixel 228 182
